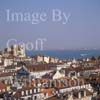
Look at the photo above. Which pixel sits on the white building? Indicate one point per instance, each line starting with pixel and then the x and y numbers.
pixel 46 59
pixel 58 75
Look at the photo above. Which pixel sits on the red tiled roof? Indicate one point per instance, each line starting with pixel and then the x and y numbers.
pixel 5 74
pixel 2 86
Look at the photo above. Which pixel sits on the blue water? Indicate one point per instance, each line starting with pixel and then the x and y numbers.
pixel 66 54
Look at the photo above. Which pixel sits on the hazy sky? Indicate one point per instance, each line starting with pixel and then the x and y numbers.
pixel 81 31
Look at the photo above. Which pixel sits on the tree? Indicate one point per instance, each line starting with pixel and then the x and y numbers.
pixel 93 58
pixel 0 52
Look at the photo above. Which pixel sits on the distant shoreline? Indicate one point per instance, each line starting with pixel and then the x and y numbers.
pixel 66 54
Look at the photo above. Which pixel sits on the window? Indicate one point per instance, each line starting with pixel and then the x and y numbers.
pixel 26 92
pixel 34 90
pixel 82 93
pixel 30 91
pixel 35 97
pixel 38 89
pixel 22 93
pixel 73 74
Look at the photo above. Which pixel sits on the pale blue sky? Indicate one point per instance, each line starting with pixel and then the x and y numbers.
pixel 81 31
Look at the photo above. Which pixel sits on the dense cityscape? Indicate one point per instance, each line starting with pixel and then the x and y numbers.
pixel 50 50
pixel 41 77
